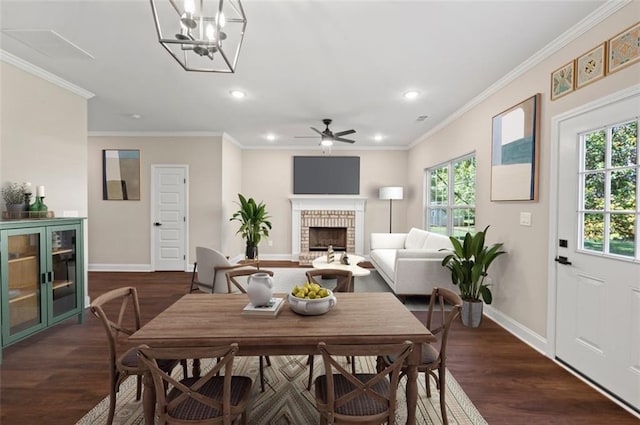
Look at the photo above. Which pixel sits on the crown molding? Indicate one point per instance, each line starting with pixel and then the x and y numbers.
pixel 155 134
pixel 45 75
pixel 333 149
pixel 597 16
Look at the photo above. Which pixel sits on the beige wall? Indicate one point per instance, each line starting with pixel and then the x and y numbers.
pixel 121 230
pixel 231 185
pixel 268 177
pixel 519 278
pixel 43 139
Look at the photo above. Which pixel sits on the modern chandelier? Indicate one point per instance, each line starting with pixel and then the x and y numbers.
pixel 202 35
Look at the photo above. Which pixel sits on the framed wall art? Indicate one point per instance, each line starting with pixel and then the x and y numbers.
pixel 515 152
pixel 120 175
pixel 624 49
pixel 590 66
pixel 562 81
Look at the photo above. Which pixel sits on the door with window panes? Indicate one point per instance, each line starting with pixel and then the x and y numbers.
pixel 598 255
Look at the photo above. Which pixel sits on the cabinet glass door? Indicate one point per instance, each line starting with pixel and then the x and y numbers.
pixel 64 268
pixel 24 285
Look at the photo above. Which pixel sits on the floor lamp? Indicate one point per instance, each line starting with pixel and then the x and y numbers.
pixel 390 193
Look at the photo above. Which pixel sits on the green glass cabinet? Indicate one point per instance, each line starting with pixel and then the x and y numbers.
pixel 42 271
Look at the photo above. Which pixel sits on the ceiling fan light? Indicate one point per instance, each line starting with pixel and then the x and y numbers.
pixel 326 142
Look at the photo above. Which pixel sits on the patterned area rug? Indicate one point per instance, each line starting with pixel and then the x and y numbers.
pixel 286 400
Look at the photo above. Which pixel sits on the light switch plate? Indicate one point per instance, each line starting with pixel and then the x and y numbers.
pixel 525 219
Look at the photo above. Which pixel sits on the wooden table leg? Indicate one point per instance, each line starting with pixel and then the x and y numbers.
pixel 412 385
pixel 148 399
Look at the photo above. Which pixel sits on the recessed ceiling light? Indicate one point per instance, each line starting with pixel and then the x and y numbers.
pixel 411 94
pixel 378 137
pixel 271 137
pixel 135 116
pixel 237 94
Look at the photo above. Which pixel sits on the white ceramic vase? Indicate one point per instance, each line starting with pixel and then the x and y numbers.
pixel 259 288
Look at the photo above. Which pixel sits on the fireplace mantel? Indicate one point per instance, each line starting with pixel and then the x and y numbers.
pixel 327 202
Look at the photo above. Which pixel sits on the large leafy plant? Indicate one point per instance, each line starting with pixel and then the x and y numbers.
pixel 469 262
pixel 254 220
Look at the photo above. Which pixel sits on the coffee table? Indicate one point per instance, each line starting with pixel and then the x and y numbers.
pixel 321 263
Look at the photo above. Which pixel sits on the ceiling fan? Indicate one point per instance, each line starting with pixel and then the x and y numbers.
pixel 328 137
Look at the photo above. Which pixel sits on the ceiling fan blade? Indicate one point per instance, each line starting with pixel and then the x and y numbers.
pixel 340 139
pixel 343 133
pixel 316 130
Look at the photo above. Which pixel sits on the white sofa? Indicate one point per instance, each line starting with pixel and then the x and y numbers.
pixel 411 263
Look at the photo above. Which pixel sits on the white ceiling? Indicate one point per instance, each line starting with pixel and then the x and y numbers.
pixel 301 61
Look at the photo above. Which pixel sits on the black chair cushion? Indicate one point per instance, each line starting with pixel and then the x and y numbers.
pixel 191 409
pixel 360 405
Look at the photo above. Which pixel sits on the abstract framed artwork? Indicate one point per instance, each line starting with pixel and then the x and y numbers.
pixel 515 152
pixel 624 49
pixel 590 66
pixel 121 175
pixel 562 81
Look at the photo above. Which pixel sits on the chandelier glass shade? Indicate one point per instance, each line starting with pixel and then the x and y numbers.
pixel 202 35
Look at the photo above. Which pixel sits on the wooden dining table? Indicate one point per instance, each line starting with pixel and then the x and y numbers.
pixel 215 319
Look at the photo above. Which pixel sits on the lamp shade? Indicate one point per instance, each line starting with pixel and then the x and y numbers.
pixel 391 192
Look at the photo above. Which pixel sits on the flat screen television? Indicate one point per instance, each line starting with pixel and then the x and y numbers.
pixel 326 175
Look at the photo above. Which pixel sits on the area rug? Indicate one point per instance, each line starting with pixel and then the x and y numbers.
pixel 286 400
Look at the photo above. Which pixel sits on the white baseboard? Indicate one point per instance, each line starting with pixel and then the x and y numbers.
pixel 521 332
pixel 120 268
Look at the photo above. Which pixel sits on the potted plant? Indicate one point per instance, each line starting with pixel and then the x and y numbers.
pixel 13 196
pixel 254 224
pixel 469 262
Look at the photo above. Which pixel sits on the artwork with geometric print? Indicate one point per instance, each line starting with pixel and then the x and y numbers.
pixel 590 66
pixel 562 81
pixel 624 48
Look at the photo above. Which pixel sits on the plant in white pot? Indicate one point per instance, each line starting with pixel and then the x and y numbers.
pixel 254 224
pixel 469 262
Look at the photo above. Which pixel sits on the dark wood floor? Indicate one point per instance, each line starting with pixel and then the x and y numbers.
pixel 56 376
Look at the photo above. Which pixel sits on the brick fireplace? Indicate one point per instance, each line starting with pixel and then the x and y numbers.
pixel 319 221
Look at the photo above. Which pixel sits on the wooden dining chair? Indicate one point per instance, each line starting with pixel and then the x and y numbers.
pixel 235 284
pixel 218 397
pixel 361 398
pixel 119 312
pixel 445 305
pixel 344 283
pixel 209 270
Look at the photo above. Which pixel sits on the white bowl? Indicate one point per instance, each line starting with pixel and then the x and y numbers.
pixel 312 307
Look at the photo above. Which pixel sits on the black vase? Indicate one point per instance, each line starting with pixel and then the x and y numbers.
pixel 251 252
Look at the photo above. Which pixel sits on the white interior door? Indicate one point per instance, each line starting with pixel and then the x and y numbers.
pixel 169 217
pixel 598 258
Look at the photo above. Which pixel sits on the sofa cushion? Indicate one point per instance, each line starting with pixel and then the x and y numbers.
pixel 385 259
pixel 415 238
pixel 420 253
pixel 435 241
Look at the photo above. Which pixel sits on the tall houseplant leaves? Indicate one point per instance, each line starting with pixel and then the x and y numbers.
pixel 254 220
pixel 469 263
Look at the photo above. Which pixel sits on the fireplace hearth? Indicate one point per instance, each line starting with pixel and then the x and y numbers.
pixel 320 238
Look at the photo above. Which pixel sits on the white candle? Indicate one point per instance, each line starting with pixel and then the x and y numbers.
pixel 27 188
pixel 40 191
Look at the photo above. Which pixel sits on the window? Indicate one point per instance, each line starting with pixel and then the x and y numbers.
pixel 451 197
pixel 608 213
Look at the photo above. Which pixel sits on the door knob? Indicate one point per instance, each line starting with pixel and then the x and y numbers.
pixel 157 224
pixel 563 260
